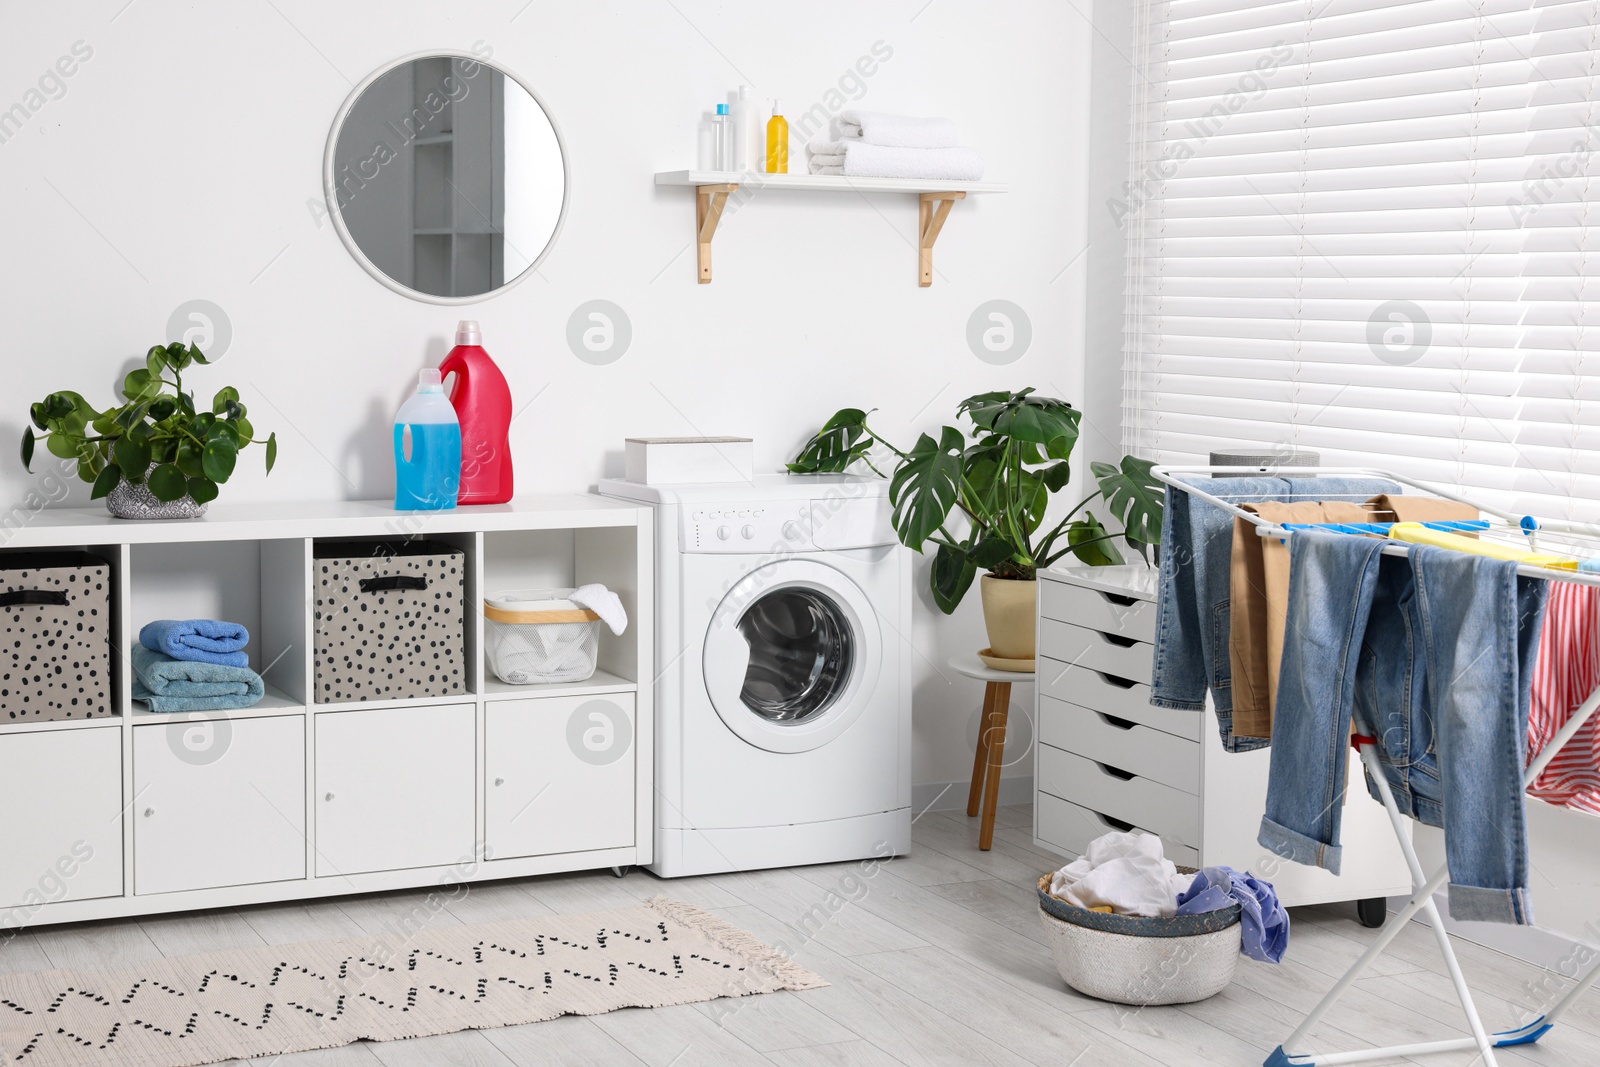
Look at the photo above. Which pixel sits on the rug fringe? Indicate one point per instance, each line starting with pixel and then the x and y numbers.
pixel 758 952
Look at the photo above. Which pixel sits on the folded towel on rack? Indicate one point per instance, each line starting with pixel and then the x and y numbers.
pixel 896 131
pixel 168 684
pixel 1418 533
pixel 604 603
pixel 857 159
pixel 199 640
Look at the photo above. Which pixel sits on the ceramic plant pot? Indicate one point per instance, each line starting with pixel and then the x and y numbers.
pixel 1009 610
pixel 129 501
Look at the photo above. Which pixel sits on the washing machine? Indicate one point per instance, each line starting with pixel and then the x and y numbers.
pixel 783 696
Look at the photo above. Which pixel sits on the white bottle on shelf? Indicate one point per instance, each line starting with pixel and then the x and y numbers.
pixel 746 129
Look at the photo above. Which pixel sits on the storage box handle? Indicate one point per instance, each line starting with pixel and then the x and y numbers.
pixel 387 583
pixel 11 599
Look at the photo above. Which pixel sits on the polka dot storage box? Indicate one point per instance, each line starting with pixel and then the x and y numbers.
pixel 389 620
pixel 55 619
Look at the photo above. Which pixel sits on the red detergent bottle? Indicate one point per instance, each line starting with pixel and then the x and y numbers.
pixel 482 400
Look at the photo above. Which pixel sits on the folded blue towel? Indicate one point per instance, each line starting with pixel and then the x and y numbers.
pixel 168 684
pixel 198 640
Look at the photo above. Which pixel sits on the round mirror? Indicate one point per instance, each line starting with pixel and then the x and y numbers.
pixel 445 177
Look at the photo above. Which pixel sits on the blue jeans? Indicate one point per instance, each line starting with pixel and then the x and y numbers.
pixel 1192 613
pixel 1433 655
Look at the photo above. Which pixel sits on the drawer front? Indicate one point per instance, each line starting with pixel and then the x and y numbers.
pixel 561 773
pixel 1127 746
pixel 1158 808
pixel 1099 691
pixel 1111 653
pixel 62 835
pixel 219 803
pixel 395 788
pixel 1070 827
pixel 1110 613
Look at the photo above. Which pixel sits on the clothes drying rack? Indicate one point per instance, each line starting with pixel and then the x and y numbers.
pixel 1423 885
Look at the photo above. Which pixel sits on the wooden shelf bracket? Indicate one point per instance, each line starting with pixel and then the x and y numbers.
pixel 935 208
pixel 709 200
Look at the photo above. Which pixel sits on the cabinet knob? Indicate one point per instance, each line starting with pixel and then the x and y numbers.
pixel 499 781
pixel 327 796
pixel 149 812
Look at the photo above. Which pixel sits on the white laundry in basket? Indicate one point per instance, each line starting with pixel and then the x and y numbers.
pixel 538 636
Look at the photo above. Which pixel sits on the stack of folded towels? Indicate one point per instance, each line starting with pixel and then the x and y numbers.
pixel 872 144
pixel 196 665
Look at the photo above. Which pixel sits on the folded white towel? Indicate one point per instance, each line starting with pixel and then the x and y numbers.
pixel 896 131
pixel 862 160
pixel 604 603
pixel 1125 872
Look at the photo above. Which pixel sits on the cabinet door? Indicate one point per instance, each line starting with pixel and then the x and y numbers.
pixel 61 837
pixel 395 788
pixel 561 775
pixel 218 802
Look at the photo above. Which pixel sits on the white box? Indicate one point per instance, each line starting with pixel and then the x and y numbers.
pixel 689 460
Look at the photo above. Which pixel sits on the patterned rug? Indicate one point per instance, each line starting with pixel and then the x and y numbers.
pixel 264 1001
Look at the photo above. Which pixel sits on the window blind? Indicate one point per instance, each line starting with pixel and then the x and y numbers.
pixel 1364 228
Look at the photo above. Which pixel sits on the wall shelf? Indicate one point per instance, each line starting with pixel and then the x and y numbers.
pixel 713 188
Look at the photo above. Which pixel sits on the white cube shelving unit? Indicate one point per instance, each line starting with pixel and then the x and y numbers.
pixel 140 812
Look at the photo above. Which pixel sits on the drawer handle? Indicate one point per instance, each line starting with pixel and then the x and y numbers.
pixel 1111 679
pixel 1118 640
pixel 327 796
pixel 149 812
pixel 54 597
pixel 499 781
pixel 1126 776
pixel 1112 720
pixel 388 583
pixel 1118 599
pixel 1115 824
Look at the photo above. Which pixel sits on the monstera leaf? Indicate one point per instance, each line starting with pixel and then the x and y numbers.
pixel 925 487
pixel 1038 420
pixel 1091 542
pixel 842 440
pixel 1135 497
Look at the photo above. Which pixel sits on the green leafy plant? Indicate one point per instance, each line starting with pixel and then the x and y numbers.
pixel 1000 476
pixel 158 436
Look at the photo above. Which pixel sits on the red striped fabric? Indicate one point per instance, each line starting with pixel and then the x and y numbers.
pixel 1566 673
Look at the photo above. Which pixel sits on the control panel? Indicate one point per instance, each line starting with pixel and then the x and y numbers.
pixel 752 528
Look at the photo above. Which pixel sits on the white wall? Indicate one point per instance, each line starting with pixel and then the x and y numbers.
pixel 182 161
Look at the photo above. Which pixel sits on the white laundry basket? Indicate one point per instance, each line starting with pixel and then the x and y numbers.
pixel 537 636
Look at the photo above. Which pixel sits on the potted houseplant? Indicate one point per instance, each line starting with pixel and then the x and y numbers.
pixel 1000 477
pixel 156 455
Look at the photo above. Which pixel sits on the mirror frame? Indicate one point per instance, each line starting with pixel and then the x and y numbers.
pixel 329 187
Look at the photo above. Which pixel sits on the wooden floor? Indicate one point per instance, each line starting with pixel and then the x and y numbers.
pixel 936 958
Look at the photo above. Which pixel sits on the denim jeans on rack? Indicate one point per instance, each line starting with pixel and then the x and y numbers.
pixel 1432 654
pixel 1192 612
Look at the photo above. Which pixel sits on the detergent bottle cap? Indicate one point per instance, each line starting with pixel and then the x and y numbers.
pixel 429 380
pixel 467 332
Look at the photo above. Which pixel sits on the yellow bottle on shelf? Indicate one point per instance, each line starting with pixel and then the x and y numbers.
pixel 777 143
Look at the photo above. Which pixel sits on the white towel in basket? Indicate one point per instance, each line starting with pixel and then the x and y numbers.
pixel 604 603
pixel 1127 872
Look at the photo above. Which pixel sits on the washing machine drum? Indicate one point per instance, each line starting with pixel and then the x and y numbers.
pixel 792 656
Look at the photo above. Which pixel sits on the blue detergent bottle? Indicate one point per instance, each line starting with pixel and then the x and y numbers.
pixel 427 448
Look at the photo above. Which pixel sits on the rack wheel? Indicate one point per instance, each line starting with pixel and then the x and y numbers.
pixel 1372 911
pixel 622 871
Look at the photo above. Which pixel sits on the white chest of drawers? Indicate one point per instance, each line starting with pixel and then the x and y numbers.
pixel 1108 760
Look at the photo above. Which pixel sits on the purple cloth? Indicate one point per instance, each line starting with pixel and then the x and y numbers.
pixel 1266 923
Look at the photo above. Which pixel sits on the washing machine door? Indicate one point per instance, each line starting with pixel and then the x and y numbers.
pixel 792 655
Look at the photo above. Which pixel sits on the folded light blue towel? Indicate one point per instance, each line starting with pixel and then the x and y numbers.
pixel 168 684
pixel 198 640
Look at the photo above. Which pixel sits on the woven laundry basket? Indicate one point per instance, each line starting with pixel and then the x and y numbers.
pixel 1130 959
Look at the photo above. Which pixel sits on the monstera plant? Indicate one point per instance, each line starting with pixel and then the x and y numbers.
pixel 999 475
pixel 157 454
